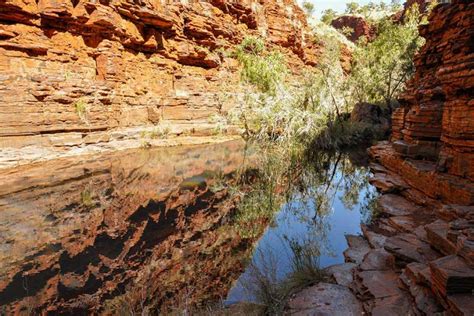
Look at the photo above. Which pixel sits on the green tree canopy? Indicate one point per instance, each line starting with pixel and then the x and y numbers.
pixel 328 16
pixel 308 8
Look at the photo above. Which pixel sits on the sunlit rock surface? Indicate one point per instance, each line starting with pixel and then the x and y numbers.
pixel 84 73
pixel 355 26
pixel 426 222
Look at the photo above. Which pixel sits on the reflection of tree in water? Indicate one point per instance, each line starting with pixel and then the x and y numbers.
pixel 323 178
pixel 306 188
pixel 306 184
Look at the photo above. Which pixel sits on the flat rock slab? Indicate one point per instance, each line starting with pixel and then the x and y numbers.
pixel 388 183
pixel 409 248
pixel 396 205
pixel 380 284
pixel 358 248
pixel 375 240
pixel 461 304
pixel 341 273
pixel 377 168
pixel 423 297
pixel 325 299
pixel 451 275
pixel 378 259
pixel 465 249
pixel 403 223
pixel 393 306
pixel 437 234
pixel 419 273
pixel 384 225
pixel 451 211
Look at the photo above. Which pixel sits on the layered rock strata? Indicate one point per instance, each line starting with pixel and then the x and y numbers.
pixel 86 73
pixel 436 120
pixel 418 254
pixel 355 26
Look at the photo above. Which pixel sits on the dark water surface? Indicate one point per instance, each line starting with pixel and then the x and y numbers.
pixel 168 229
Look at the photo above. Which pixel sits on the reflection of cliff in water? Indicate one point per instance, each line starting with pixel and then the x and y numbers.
pixel 74 234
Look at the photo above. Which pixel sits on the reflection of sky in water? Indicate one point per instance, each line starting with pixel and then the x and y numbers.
pixel 296 221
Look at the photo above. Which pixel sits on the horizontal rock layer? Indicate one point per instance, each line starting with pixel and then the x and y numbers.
pixel 429 166
pixel 71 71
pixel 436 120
pixel 415 257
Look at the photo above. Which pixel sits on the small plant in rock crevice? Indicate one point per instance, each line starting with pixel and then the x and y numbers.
pixel 82 110
pixel 87 199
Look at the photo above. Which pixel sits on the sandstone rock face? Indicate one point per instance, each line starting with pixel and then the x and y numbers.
pixel 437 117
pixel 73 71
pixel 433 132
pixel 359 26
pixel 431 158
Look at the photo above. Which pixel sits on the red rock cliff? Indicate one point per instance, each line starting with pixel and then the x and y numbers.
pixel 72 71
pixel 427 204
pixel 357 24
pixel 436 120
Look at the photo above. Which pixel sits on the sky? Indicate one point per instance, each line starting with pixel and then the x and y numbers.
pixel 338 5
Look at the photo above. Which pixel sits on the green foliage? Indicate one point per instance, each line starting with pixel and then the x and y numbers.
pixel 381 68
pixel 87 199
pixel 274 293
pixel 306 269
pixel 328 16
pixel 81 109
pixel 314 110
pixel 308 7
pixel 372 11
pixel 261 68
pixel 352 8
pixel 347 31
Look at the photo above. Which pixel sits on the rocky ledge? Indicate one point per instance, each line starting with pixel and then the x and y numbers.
pixel 85 73
pixel 356 27
pixel 417 255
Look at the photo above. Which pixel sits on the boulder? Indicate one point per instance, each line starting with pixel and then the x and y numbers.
pixel 451 275
pixel 372 115
pixel 325 299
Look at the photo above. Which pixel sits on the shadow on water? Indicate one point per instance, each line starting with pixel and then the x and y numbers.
pixel 166 230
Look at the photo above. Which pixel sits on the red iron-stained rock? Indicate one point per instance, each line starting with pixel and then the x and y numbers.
pixel 325 299
pixel 129 64
pixel 451 275
pixel 357 24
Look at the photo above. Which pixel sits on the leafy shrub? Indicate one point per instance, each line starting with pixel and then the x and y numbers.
pixel 381 68
pixel 81 109
pixel 308 7
pixel 261 68
pixel 328 16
